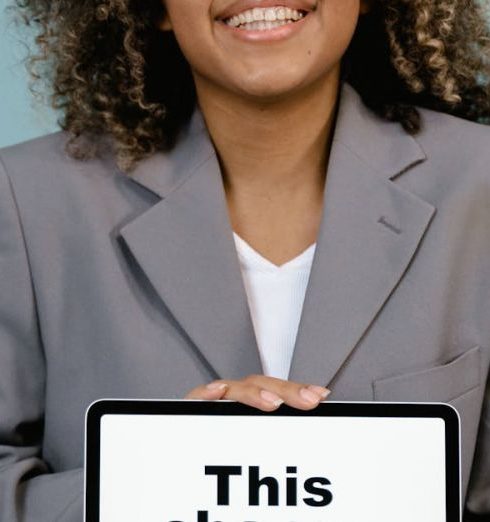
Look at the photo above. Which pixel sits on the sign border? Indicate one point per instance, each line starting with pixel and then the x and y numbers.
pixel 102 407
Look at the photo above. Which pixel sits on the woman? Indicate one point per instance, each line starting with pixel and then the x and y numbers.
pixel 225 143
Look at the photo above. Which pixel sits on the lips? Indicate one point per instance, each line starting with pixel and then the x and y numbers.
pixel 243 9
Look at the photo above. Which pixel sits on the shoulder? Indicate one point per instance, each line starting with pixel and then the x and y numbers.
pixel 46 157
pixel 51 144
pixel 43 175
pixel 455 142
pixel 435 122
pixel 52 189
pixel 455 179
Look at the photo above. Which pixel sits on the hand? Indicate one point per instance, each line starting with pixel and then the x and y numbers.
pixel 262 392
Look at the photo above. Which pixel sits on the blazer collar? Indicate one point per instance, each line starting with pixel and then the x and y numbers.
pixel 382 146
pixel 370 230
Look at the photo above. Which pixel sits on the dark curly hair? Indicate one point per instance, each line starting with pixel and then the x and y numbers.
pixel 112 72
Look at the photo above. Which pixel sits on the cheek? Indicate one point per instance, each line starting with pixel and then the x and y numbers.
pixel 341 18
pixel 336 26
pixel 192 25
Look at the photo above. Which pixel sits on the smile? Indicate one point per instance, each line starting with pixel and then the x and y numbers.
pixel 263 19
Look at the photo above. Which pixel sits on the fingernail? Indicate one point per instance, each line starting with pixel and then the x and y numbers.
pixel 309 396
pixel 271 397
pixel 320 390
pixel 216 385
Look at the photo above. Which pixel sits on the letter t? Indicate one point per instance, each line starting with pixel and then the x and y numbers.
pixel 223 474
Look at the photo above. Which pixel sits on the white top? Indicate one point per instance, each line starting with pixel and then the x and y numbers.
pixel 275 297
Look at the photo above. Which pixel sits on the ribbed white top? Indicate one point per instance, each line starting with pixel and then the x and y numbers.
pixel 275 296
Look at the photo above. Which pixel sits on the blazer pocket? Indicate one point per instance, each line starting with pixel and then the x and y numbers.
pixel 442 383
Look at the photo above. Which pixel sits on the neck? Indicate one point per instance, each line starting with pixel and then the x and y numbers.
pixel 274 148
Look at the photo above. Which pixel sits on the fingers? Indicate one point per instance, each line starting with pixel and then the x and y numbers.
pixel 253 395
pixel 262 392
pixel 239 391
pixel 213 391
pixel 294 394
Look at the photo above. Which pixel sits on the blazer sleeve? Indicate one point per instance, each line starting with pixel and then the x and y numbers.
pixel 478 495
pixel 29 490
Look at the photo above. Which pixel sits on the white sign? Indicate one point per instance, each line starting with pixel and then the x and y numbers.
pixel 184 468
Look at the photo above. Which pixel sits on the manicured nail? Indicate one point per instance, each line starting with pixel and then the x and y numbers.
pixel 216 386
pixel 271 397
pixel 320 390
pixel 309 396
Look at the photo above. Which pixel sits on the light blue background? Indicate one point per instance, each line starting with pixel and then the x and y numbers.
pixel 21 118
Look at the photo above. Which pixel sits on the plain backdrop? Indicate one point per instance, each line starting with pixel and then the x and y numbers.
pixel 20 117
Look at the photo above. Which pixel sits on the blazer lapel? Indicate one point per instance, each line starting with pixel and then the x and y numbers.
pixel 370 230
pixel 184 244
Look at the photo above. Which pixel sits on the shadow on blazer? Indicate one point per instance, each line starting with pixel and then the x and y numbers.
pixel 119 286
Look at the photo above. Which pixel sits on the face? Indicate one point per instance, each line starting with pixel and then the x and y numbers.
pixel 262 49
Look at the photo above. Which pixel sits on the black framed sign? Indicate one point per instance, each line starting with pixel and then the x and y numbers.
pixel 221 461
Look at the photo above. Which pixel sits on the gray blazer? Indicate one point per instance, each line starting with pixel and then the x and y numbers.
pixel 117 286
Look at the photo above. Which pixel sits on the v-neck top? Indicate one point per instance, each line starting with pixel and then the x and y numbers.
pixel 275 297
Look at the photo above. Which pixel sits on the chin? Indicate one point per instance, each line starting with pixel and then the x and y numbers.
pixel 270 88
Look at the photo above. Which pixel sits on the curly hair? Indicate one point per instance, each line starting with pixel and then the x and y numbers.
pixel 113 72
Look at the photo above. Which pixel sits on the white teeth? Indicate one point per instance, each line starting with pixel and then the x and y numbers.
pixel 258 14
pixel 270 15
pixel 262 25
pixel 274 15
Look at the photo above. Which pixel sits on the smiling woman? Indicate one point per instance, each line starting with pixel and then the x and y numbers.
pixel 281 200
pixel 116 72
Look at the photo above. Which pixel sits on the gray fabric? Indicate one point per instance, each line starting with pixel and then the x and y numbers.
pixel 112 286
